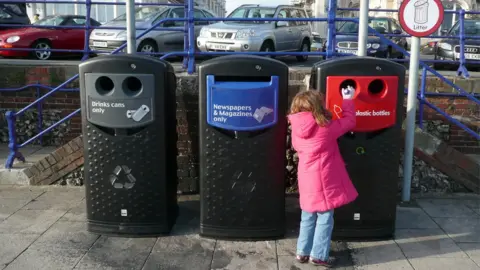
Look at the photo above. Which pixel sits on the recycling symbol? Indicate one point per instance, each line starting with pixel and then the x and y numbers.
pixel 115 177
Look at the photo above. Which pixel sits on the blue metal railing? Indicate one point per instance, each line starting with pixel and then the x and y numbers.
pixel 189 54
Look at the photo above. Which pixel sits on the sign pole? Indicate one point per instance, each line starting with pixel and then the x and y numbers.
pixel 363 28
pixel 410 121
pixel 418 18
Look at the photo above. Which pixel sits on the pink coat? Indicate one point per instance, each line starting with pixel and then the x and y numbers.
pixel 323 181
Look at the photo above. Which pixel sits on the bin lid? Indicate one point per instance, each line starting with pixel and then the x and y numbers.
pixel 421 3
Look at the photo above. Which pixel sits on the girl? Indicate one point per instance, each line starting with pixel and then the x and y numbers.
pixel 323 182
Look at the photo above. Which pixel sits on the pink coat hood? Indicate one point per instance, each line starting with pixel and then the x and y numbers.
pixel 323 180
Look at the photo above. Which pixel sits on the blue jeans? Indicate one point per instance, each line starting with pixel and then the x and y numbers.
pixel 315 235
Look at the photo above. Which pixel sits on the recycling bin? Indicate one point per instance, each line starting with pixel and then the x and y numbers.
pixel 129 135
pixel 243 106
pixel 371 151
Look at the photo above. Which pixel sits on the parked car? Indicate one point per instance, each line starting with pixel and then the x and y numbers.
pixel 46 38
pixel 255 36
pixel 375 47
pixel 449 49
pixel 108 40
pixel 13 13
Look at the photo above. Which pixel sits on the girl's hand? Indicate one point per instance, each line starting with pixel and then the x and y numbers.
pixel 348 92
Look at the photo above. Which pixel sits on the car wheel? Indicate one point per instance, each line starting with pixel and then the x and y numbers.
pixel 42 45
pixel 305 48
pixel 148 46
pixel 267 46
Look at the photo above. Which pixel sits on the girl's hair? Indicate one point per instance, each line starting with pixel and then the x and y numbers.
pixel 311 101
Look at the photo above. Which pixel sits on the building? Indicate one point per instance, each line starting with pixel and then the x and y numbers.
pixel 104 13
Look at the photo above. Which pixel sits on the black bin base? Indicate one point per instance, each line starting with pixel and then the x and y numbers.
pixel 129 230
pixel 241 234
pixel 357 234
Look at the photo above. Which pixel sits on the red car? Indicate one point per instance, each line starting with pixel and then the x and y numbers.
pixel 46 38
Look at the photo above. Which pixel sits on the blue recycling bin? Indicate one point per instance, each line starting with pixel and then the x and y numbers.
pixel 243 106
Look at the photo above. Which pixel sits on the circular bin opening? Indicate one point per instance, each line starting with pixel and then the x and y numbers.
pixel 104 85
pixel 376 87
pixel 132 86
pixel 347 83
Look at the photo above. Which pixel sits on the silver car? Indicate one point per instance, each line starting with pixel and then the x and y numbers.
pixel 154 41
pixel 255 36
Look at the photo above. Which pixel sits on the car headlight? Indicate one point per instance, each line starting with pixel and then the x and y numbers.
pixel 13 39
pixel 122 34
pixel 204 32
pixel 375 46
pixel 445 46
pixel 245 33
pixel 369 45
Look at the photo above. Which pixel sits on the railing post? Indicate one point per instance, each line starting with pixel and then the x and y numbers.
pixel 12 140
pixel 191 37
pixel 331 32
pixel 40 115
pixel 423 84
pixel 86 49
pixel 363 28
pixel 131 30
pixel 462 70
pixel 185 37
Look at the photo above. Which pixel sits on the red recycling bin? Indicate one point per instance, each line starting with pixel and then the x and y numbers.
pixel 371 150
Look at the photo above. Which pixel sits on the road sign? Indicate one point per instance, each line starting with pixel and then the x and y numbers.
pixel 421 18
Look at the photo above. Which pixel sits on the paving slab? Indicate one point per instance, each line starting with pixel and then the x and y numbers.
pixel 46 259
pixel 16 244
pixel 445 208
pixel 380 255
pixel 232 255
pixel 423 243
pixel 10 206
pixel 117 253
pixel 472 250
pixel 65 235
pixel 57 199
pixel 466 229
pixel 413 218
pixel 19 192
pixel 77 213
pixel 443 263
pixel 181 252
pixel 30 221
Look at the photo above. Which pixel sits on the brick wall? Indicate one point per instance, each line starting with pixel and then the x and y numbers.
pixel 187 110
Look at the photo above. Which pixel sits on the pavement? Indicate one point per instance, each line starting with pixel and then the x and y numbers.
pixel 45 228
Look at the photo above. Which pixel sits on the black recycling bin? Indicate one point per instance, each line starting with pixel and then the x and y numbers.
pixel 129 134
pixel 371 151
pixel 243 105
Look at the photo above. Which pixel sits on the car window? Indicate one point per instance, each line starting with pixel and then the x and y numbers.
pixel 296 13
pixel 180 13
pixel 395 26
pixel 471 28
pixel 78 21
pixel 4 15
pixel 143 14
pixel 379 24
pixel 50 21
pixel 17 9
pixel 160 17
pixel 252 12
pixel 208 14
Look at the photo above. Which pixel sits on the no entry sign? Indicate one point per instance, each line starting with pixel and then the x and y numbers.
pixel 421 18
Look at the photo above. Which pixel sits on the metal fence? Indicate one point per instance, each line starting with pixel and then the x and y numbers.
pixel 189 54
